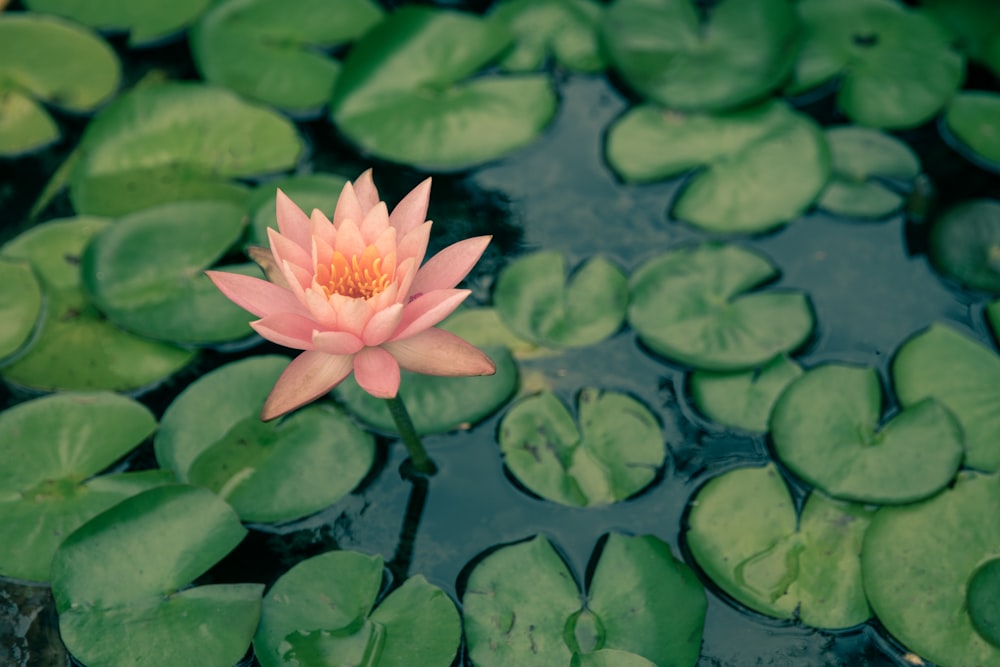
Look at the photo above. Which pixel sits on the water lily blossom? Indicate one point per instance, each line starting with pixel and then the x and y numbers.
pixel 353 295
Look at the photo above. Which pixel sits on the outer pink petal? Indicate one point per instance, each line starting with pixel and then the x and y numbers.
pixel 352 314
pixel 337 342
pixel 376 221
pixel 321 309
pixel 414 244
pixel 309 376
pixel 286 250
pixel 382 325
pixel 439 352
pixel 323 228
pixel 287 329
pixel 255 295
pixel 427 310
pixel 411 211
pixel 447 268
pixel 377 372
pixel 365 189
pixel 348 206
pixel 292 222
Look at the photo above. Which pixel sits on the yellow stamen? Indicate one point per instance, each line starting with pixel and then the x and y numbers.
pixel 360 278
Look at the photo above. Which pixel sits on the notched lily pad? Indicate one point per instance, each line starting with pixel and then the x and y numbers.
pixel 742 400
pixel 691 306
pixel 20 305
pixel 308 191
pixel 147 22
pixel 965 244
pixel 973 119
pixel 565 30
pixel 614 453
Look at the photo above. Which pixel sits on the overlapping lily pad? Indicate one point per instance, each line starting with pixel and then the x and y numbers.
pixel 965 244
pixel 321 613
pixel 930 572
pixel 20 305
pixel 691 306
pixel 614 453
pixel 972 25
pixel 522 606
pixel 973 118
pixel 308 191
pixel 683 56
pixel 404 93
pixel 147 22
pixel 743 532
pixel 742 400
pixel 120 583
pixel 763 166
pixel 536 300
pixel 963 375
pixel 271 50
pixel 177 141
pixel 212 436
pixel 565 30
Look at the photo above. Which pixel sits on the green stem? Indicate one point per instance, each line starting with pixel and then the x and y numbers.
pixel 422 463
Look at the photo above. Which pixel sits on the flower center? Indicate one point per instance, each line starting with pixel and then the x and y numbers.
pixel 361 277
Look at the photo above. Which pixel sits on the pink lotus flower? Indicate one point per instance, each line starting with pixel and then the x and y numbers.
pixel 353 295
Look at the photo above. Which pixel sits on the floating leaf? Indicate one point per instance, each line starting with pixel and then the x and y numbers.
pixel 965 244
pixel 308 191
pixel 993 317
pixel 609 657
pixel 742 400
pixel 320 613
pixel 148 22
pixel 20 305
pixel 743 532
pixel 483 327
pixel 973 117
pixel 403 95
pixel 564 29
pixel 668 53
pixel 972 24
pixel 691 306
pixel 921 563
pixel 212 436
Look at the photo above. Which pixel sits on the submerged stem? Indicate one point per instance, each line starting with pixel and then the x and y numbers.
pixel 422 463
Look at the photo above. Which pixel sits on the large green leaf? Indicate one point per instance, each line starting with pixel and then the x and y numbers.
pixel 20 304
pixel 742 400
pixel 965 244
pixel 566 30
pixel 973 118
pixel 148 22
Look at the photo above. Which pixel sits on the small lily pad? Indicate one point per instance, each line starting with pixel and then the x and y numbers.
pixel 147 22
pixel 763 166
pixel 321 613
pixel 963 375
pixel 825 429
pixel 922 565
pixel 566 30
pixel 120 583
pixel 20 305
pixel 743 532
pixel 683 55
pixel 984 601
pixel 177 141
pixel 212 436
pixel 690 305
pixel 965 244
pixel 308 191
pixel 973 118
pixel 270 50
pixel 404 93
pixel 742 400
pixel 536 300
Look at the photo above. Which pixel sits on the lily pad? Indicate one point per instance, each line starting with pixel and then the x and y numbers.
pixel 483 327
pixel 895 65
pixel 681 55
pixel 761 166
pixel 922 565
pixel 308 191
pixel 47 59
pixel 76 347
pixel 614 453
pixel 404 93
pixel 963 375
pixel 120 583
pixel 742 400
pixel 984 601
pixel 609 657
pixel 321 613
pixel 177 141
pixel 522 606
pixel 973 118
pixel 972 25
pixel 212 436
pixel 993 317
pixel 565 30
pixel 437 404
pixel 147 22
pixel 271 50
pixel 743 532
pixel 146 272
pixel 20 305
pixel 863 159
pixel 825 429
pixel 691 306
pixel 51 448
pixel 536 300
pixel 965 244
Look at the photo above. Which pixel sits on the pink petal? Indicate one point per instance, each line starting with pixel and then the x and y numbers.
pixel 255 295
pixel 287 329
pixel 337 342
pixel 321 309
pixel 439 352
pixel 352 314
pixel 349 239
pixel 427 310
pixel 285 250
pixel 348 206
pixel 377 372
pixel 292 222
pixel 296 278
pixel 414 244
pixel 447 268
pixel 323 228
pixel 364 187
pixel 264 258
pixel 375 222
pixel 309 376
pixel 382 325
pixel 411 211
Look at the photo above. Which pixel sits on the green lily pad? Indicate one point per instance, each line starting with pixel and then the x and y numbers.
pixel 921 566
pixel 742 400
pixel 614 453
pixel 566 30
pixel 984 601
pixel 212 436
pixel 896 66
pixel 731 54
pixel 269 50
pixel 308 191
pixel 761 166
pixel 972 25
pixel 963 375
pixel 825 429
pixel 536 300
pixel 483 328
pixel 993 317
pixel 609 657
pixel 522 606
pixel 146 272
pixel 177 141
pixel 320 613
pixel 691 306
pixel 20 305
pixel 437 404
pixel 404 93
pixel 862 159
pixel 76 347
pixel 51 448
pixel 120 583
pixel 744 534
pixel 147 22
pixel 47 59
pixel 965 244
pixel 973 117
